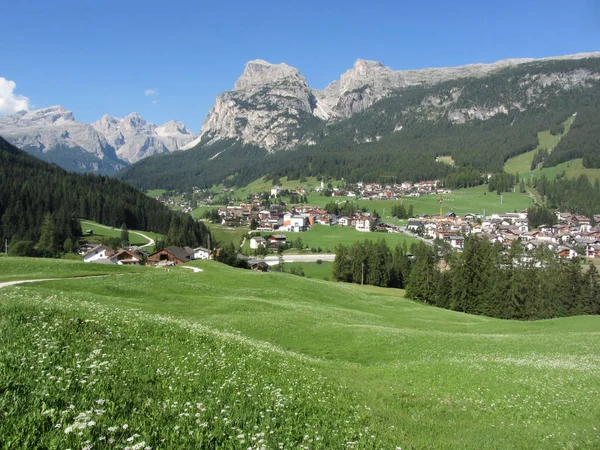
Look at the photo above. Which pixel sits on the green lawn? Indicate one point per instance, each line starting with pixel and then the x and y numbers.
pixel 446 160
pixel 198 213
pixel 327 238
pixel 206 360
pixel 225 235
pixel 265 186
pixel 323 271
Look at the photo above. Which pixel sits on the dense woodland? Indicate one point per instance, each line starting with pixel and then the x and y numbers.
pixel 575 195
pixel 399 137
pixel 483 279
pixel 40 204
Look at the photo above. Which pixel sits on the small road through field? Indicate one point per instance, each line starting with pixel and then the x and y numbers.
pixel 148 238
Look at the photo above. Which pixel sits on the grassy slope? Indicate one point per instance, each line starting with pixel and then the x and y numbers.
pixel 426 377
pixel 312 269
pixel 12 268
pixel 100 231
pixel 572 169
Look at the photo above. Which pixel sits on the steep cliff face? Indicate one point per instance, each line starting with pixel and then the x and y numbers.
pixel 135 139
pixel 272 105
pixel 54 135
pixel 267 107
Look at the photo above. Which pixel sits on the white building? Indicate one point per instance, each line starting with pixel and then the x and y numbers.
pixel 100 252
pixel 201 253
pixel 364 224
pixel 257 241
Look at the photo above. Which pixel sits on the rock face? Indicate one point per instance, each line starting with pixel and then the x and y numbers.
pixel 53 135
pixel 135 139
pixel 271 104
pixel 268 105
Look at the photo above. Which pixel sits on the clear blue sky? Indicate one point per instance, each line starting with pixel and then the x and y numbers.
pixel 97 57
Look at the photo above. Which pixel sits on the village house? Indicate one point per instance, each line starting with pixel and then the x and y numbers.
pixel 201 253
pixel 125 257
pixel 170 256
pixel 257 241
pixel 99 253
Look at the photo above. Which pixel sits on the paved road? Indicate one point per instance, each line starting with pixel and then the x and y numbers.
pixel 148 238
pixel 274 260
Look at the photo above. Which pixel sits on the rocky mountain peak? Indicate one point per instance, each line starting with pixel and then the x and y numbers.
pixel 259 72
pixel 173 128
pixel 134 138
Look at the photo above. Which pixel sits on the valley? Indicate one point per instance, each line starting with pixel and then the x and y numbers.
pixel 402 259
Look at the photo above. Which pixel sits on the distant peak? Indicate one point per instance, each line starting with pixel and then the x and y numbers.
pixel 260 62
pixel 259 72
pixel 366 63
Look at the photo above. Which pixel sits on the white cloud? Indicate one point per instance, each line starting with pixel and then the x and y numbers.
pixel 149 92
pixel 10 102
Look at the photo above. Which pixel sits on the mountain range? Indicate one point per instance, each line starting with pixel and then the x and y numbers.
pixel 481 114
pixel 375 123
pixel 52 134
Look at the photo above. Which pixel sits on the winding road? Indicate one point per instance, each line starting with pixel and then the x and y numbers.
pixel 148 238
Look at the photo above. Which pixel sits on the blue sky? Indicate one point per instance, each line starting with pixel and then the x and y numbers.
pixel 97 57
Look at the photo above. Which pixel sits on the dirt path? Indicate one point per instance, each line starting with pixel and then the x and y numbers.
pixel 12 283
pixel 193 269
pixel 148 238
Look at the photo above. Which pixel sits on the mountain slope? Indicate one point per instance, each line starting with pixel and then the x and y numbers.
pixel 272 105
pixel 52 134
pixel 479 121
pixel 31 190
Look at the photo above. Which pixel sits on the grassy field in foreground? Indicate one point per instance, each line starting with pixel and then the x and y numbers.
pixel 225 358
pixel 15 268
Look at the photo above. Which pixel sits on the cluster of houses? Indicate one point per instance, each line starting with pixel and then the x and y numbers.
pixel 571 236
pixel 298 219
pixel 170 256
pixel 376 191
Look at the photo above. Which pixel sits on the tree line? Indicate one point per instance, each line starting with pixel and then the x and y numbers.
pixel 484 279
pixel 41 203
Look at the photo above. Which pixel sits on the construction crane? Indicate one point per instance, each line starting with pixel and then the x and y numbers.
pixel 441 199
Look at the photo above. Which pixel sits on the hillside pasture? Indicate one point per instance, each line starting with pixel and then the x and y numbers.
pixel 226 357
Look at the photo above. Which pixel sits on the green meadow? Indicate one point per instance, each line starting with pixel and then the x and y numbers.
pixel 234 359
pixel 328 237
pixel 521 164
pixel 156 192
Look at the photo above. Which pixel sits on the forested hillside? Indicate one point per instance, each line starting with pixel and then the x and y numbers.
pixel 480 122
pixel 36 196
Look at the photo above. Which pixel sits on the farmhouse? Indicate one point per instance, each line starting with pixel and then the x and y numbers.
pixel 259 266
pixel 125 257
pixel 170 256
